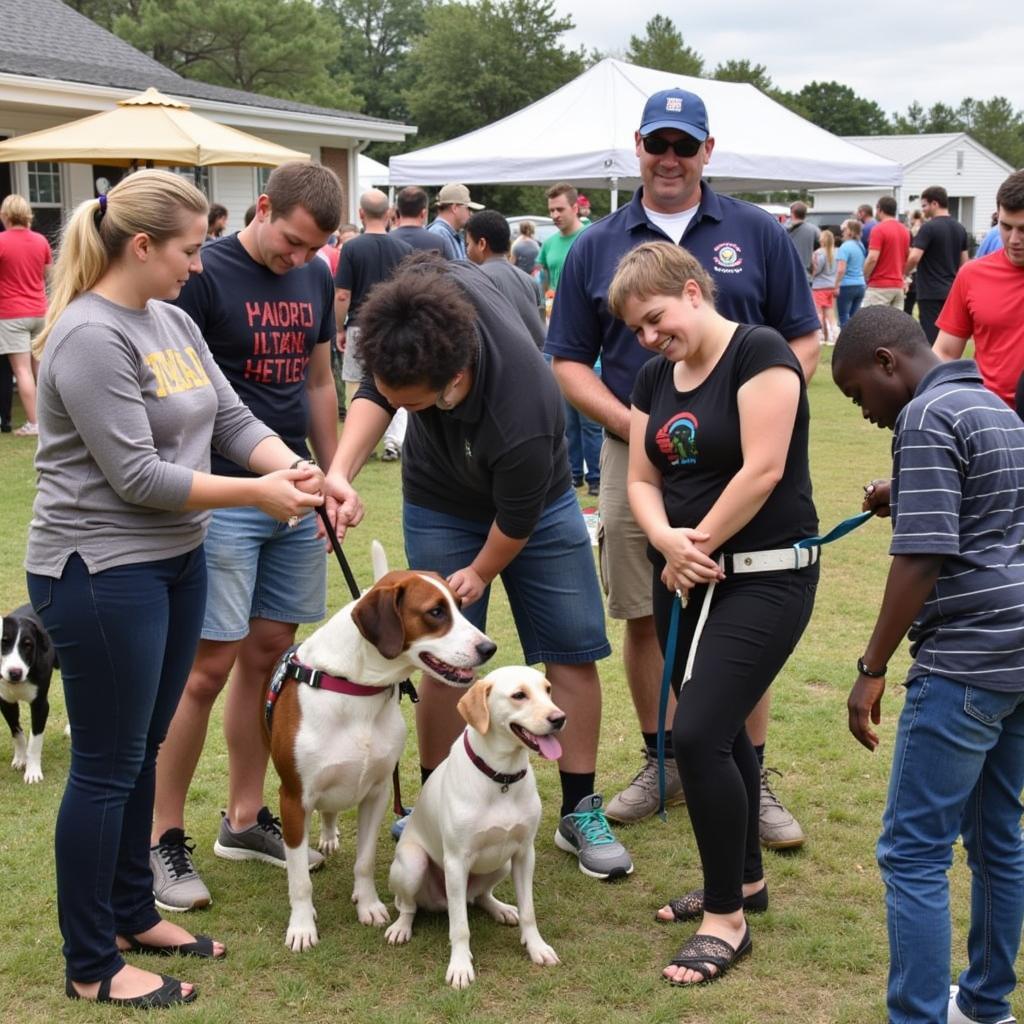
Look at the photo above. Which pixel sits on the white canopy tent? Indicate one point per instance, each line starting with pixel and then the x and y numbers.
pixel 372 173
pixel 583 133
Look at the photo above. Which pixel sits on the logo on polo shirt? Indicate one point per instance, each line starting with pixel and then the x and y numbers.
pixel 677 439
pixel 728 258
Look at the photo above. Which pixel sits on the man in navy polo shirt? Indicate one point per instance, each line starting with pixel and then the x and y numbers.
pixel 759 280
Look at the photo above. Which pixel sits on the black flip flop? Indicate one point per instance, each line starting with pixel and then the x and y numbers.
pixel 691 906
pixel 202 946
pixel 702 952
pixel 168 994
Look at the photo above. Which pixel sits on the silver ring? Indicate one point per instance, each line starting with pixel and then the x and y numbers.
pixel 293 521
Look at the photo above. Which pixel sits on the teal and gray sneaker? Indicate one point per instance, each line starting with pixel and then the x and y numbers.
pixel 586 833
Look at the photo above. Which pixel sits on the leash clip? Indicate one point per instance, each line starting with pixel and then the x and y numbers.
pixel 405 688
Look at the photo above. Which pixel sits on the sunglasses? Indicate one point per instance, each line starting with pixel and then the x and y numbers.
pixel 656 146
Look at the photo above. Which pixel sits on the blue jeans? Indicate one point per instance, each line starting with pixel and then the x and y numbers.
pixel 584 438
pixel 260 568
pixel 848 301
pixel 125 638
pixel 551 584
pixel 958 767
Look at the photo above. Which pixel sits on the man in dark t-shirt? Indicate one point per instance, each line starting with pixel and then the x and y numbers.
pixel 937 251
pixel 366 261
pixel 264 304
pixel 411 207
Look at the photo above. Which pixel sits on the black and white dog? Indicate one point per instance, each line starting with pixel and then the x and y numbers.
pixel 26 665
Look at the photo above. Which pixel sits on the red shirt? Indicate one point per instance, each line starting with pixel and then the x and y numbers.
pixel 24 256
pixel 892 242
pixel 986 302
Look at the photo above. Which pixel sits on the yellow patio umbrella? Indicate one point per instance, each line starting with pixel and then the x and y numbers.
pixel 150 129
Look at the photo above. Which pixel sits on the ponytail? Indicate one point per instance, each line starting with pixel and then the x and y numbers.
pixel 153 203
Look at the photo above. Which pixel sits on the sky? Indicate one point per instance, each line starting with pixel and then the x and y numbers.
pixel 890 51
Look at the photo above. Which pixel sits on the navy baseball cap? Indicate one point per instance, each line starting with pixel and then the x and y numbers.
pixel 676 108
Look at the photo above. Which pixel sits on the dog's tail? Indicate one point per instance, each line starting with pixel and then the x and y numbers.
pixel 379 560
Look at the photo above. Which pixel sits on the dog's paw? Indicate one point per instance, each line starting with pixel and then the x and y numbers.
pixel 329 844
pixel 541 953
pixel 19 761
pixel 503 913
pixel 372 912
pixel 399 933
pixel 460 973
pixel 302 933
pixel 33 773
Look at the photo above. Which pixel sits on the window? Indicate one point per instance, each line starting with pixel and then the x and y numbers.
pixel 959 160
pixel 44 184
pixel 262 176
pixel 200 179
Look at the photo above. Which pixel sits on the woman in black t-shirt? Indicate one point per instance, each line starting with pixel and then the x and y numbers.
pixel 719 482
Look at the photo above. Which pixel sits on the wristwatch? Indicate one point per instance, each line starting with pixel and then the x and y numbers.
pixel 870 673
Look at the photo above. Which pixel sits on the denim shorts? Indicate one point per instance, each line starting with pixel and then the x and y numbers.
pixel 260 569
pixel 551 584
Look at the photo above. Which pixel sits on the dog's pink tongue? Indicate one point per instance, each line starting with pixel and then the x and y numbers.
pixel 549 747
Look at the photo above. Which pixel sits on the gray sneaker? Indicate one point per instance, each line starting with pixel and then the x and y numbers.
pixel 176 883
pixel 779 829
pixel 639 799
pixel 957 1016
pixel 262 841
pixel 586 834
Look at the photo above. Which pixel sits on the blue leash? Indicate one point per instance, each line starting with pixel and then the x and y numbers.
pixel 840 530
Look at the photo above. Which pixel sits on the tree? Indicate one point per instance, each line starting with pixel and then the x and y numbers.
pixel 743 71
pixel 912 122
pixel 662 47
pixel 838 109
pixel 994 123
pixel 478 62
pixel 375 39
pixel 277 47
pixel 105 12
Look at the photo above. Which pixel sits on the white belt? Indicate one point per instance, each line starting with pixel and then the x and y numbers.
pixel 771 561
pixel 775 560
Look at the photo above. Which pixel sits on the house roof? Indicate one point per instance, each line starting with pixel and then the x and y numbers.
pixel 90 54
pixel 907 150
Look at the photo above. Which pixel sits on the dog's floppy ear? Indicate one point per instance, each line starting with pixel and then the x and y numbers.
pixel 474 708
pixel 378 617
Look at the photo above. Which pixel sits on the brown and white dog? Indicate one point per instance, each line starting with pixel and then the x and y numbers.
pixel 477 816
pixel 335 743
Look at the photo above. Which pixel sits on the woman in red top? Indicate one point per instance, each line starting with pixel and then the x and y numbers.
pixel 24 256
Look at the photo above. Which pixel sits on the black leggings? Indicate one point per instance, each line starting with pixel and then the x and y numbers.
pixel 754 624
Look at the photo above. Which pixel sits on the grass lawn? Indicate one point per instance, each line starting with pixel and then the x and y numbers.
pixel 820 954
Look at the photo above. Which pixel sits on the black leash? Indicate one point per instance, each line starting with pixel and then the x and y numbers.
pixel 346 569
pixel 405 686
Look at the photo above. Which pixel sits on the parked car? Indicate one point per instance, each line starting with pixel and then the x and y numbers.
pixel 544 227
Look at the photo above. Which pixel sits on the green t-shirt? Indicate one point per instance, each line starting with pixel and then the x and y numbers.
pixel 552 256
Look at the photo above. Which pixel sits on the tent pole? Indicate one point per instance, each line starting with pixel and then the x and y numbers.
pixel 614 183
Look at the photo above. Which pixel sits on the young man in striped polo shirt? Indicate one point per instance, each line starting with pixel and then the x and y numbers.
pixel 957 584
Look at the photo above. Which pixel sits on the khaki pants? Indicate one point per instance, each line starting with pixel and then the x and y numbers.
pixel 884 297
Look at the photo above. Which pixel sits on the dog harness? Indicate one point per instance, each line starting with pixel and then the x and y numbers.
pixel 503 779
pixel 289 667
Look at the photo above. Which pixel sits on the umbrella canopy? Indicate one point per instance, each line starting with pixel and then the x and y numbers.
pixel 583 133
pixel 149 128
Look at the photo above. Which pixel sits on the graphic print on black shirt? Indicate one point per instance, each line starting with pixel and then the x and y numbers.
pixel 262 328
pixel 677 439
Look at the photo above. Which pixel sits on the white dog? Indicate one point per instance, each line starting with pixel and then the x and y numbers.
pixel 477 817
pixel 336 732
